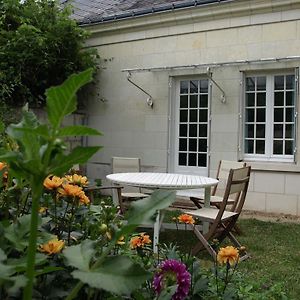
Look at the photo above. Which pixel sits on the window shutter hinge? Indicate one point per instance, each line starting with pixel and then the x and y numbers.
pixel 241 82
pixel 170 83
pixel 295 150
pixel 239 148
pixel 240 115
pixel 169 118
pixel 296 114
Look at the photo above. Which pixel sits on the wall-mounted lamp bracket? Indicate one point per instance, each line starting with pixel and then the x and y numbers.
pixel 149 100
pixel 209 74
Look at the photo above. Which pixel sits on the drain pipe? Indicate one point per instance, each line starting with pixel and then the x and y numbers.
pixel 149 99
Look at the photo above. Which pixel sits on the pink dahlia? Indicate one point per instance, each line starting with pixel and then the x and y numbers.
pixel 173 272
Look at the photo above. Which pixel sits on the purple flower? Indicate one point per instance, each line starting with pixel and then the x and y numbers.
pixel 173 272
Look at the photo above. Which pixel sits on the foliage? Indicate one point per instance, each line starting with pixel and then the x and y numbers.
pixel 40 46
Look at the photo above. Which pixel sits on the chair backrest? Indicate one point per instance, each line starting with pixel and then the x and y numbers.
pixel 126 165
pixel 223 171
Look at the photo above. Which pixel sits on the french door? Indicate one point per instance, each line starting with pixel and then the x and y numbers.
pixel 190 153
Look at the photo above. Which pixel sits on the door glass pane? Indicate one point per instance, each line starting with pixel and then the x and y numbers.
pixel 260 131
pixel 202 145
pixel 202 162
pixel 203 115
pixel 182 159
pixel 183 115
pixel 279 82
pixel 249 146
pixel 203 101
pixel 249 115
pixel 278 147
pixel 193 101
pixel 289 147
pixel 183 130
pixel 278 115
pixel 289 98
pixel 260 115
pixel 194 86
pixel 183 101
pixel 203 86
pixel 279 98
pixel 182 144
pixel 184 85
pixel 250 83
pixel 192 144
pixel 260 147
pixel 192 159
pixel 261 99
pixel 278 131
pixel 261 83
pixel 289 114
pixel 290 82
pixel 289 130
pixel 249 133
pixel 250 99
pixel 203 130
pixel 193 115
pixel 192 130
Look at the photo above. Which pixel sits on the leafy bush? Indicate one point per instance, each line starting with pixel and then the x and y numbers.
pixel 40 46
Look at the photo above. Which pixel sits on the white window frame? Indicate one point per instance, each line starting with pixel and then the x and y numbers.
pixel 269 156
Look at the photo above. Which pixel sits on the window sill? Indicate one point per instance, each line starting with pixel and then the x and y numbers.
pixel 273 166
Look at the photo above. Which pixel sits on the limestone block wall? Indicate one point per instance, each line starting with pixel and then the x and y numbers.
pixel 241 30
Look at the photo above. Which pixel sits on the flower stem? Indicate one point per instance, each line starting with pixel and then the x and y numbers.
pixel 37 191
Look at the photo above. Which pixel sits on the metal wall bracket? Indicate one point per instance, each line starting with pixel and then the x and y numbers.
pixel 209 74
pixel 149 99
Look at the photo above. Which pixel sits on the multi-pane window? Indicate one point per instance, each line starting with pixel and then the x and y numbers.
pixel 269 122
pixel 193 123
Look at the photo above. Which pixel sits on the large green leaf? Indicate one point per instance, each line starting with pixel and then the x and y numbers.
pixel 77 130
pixel 118 274
pixel 61 100
pixel 143 211
pixel 79 155
pixel 80 256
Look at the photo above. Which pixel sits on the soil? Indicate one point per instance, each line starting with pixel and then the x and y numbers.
pixel 272 217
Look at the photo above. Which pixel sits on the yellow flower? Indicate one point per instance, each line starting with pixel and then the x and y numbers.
pixel 121 241
pixel 70 190
pixel 228 254
pixel 52 182
pixel 43 209
pixel 139 241
pixel 77 179
pixel 187 219
pixel 52 247
pixel 83 199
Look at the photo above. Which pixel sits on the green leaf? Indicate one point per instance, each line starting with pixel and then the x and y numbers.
pixel 143 211
pixel 80 256
pixel 118 274
pixel 19 282
pixel 79 155
pixel 77 130
pixel 47 270
pixel 167 293
pixel 61 100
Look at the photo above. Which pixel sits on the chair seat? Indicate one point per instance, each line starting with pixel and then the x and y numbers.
pixel 217 200
pixel 134 195
pixel 209 214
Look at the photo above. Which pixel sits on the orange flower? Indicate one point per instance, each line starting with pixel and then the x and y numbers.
pixel 187 219
pixel 52 247
pixel 70 190
pixel 83 199
pixel 139 241
pixel 228 254
pixel 2 165
pixel 77 179
pixel 52 182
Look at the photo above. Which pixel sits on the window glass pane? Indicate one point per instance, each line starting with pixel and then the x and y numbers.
pixel 260 115
pixel 203 101
pixel 261 83
pixel 182 144
pixel 260 147
pixel 203 130
pixel 182 130
pixel 279 99
pixel 289 98
pixel 278 131
pixel 193 115
pixel 183 101
pixel 204 86
pixel 289 130
pixel 250 99
pixel 250 83
pixel 261 99
pixel 278 114
pixel 183 115
pixel 193 86
pixel 278 147
pixel 279 82
pixel 182 159
pixel 202 145
pixel 203 115
pixel 184 87
pixel 289 114
pixel 192 145
pixel 260 131
pixel 249 131
pixel 193 101
pixel 202 160
pixel 289 147
pixel 192 130
pixel 192 159
pixel 249 115
pixel 290 82
pixel 249 146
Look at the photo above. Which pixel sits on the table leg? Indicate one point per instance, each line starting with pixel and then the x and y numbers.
pixel 207 193
pixel 156 229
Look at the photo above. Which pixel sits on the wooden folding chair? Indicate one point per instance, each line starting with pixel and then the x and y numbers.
pixel 127 165
pixel 222 221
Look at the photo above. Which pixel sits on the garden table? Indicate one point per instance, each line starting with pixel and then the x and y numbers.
pixel 168 181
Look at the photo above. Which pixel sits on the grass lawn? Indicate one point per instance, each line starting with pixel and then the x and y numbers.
pixel 274 249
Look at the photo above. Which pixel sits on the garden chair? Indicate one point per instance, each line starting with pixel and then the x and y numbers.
pixel 221 220
pixel 197 196
pixel 127 165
